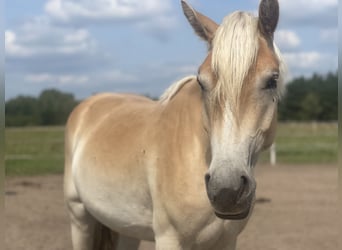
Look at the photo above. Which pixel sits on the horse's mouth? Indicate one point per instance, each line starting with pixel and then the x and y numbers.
pixel 239 216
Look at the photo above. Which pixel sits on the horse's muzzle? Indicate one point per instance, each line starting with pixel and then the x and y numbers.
pixel 230 195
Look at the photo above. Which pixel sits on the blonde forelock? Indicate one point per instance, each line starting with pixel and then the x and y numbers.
pixel 234 51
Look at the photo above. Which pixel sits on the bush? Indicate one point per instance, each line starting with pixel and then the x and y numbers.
pixel 310 99
pixel 52 107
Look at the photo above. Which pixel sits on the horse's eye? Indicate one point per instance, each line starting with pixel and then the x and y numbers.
pixel 272 82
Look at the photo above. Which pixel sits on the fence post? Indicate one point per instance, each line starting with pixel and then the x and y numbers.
pixel 273 155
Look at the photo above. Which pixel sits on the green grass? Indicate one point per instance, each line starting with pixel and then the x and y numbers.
pixel 305 143
pixel 39 150
pixel 34 150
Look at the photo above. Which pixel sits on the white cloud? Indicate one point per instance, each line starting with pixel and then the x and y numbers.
pixel 39 37
pixel 303 59
pixel 47 78
pixel 69 10
pixel 77 37
pixel 154 17
pixel 169 70
pixel 103 77
pixel 287 39
pixel 40 78
pixel 12 47
pixel 117 76
pixel 305 63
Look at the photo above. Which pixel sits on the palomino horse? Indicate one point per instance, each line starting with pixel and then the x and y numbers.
pixel 178 171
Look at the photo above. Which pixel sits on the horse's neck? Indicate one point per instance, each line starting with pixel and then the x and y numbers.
pixel 185 108
pixel 184 115
pixel 182 146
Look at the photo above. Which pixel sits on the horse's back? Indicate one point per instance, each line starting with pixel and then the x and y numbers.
pixel 105 111
pixel 96 108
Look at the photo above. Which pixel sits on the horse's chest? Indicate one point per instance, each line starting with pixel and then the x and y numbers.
pixel 125 209
pixel 122 215
pixel 217 234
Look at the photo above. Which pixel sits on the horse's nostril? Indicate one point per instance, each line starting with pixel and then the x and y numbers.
pixel 207 179
pixel 244 186
pixel 244 180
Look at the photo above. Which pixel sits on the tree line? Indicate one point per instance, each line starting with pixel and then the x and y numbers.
pixel 306 99
pixel 52 107
pixel 311 99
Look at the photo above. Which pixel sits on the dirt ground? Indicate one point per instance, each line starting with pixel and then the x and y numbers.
pixel 296 210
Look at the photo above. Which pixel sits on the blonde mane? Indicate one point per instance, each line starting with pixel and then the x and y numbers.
pixel 171 91
pixel 234 51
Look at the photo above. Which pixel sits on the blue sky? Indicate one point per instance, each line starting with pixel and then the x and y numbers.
pixel 90 46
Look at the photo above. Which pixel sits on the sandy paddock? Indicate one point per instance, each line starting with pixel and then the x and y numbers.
pixel 296 210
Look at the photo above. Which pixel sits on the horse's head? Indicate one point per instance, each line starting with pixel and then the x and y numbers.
pixel 241 82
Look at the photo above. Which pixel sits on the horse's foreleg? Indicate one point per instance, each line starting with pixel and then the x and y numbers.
pixel 168 243
pixel 226 242
pixel 170 240
pixel 166 236
pixel 231 245
pixel 82 227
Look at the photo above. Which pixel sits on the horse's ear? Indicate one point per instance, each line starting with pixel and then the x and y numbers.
pixel 268 17
pixel 204 27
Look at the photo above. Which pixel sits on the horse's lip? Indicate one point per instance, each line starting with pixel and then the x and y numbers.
pixel 239 216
